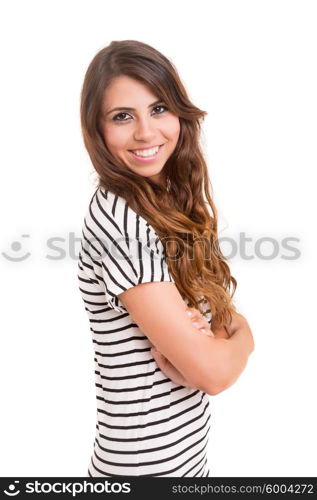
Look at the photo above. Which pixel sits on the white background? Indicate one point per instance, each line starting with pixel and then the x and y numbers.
pixel 252 66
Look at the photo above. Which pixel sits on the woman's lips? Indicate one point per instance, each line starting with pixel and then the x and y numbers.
pixel 150 147
pixel 146 158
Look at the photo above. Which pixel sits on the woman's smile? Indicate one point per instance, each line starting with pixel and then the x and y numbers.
pixel 146 155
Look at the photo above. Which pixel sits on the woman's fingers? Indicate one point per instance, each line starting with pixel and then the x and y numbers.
pixel 203 326
pixel 199 321
pixel 168 369
pixel 193 313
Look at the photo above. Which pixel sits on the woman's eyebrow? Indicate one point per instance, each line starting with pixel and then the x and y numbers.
pixel 132 109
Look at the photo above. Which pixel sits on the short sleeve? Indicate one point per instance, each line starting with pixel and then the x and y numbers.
pixel 129 252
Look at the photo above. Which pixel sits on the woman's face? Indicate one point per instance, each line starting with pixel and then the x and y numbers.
pixel 143 133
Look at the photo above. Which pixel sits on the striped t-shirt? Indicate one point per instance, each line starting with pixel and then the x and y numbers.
pixel 146 424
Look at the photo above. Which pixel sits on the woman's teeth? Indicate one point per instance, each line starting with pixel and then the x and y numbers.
pixel 146 152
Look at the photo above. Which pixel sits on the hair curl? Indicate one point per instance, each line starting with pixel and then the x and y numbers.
pixel 179 214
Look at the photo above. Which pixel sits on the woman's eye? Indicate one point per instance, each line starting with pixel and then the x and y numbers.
pixel 161 106
pixel 119 116
pixel 116 119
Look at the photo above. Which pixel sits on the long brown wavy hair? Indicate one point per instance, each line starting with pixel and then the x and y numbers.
pixel 183 219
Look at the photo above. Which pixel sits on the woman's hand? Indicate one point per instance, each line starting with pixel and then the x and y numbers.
pixel 168 369
pixel 204 327
pixel 199 321
pixel 238 321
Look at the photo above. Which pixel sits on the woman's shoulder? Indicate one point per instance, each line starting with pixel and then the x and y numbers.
pixel 110 201
pixel 101 216
pixel 114 209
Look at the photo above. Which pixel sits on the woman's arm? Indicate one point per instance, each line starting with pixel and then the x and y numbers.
pixel 159 311
pixel 240 348
pixel 238 342
pixel 241 344
pixel 221 333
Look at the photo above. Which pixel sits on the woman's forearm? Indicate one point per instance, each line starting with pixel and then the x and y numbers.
pixel 239 346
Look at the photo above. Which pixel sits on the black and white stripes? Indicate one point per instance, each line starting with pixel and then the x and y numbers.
pixel 146 424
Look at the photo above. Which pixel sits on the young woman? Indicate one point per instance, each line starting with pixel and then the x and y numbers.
pixel 150 255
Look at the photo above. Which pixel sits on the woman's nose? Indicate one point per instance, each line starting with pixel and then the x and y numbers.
pixel 144 130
